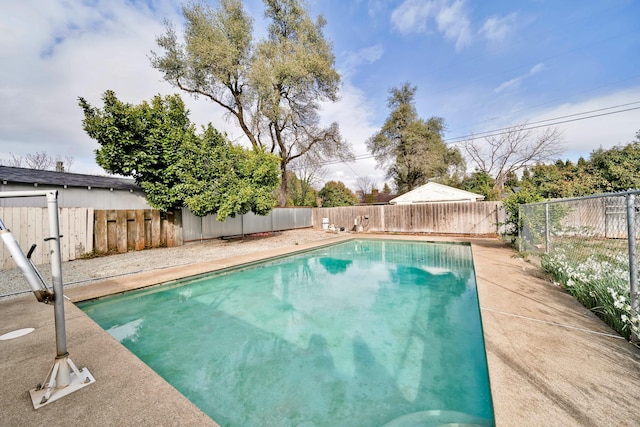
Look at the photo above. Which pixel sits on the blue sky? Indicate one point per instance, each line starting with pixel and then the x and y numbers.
pixel 481 65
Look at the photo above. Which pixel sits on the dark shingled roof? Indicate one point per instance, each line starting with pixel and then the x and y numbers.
pixel 42 177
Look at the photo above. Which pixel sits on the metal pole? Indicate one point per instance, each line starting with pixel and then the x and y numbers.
pixel 633 262
pixel 56 273
pixel 547 240
pixel 64 377
pixel 520 226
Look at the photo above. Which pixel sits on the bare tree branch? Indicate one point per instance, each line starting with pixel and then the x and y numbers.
pixel 511 151
pixel 40 160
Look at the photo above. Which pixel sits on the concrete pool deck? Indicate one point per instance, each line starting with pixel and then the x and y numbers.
pixel 551 361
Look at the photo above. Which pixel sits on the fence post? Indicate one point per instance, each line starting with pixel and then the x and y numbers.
pixel 520 226
pixel 633 263
pixel 547 241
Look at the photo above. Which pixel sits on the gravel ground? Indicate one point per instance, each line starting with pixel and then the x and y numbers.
pixel 84 271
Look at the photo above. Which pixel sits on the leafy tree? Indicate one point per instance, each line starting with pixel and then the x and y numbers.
pixel 508 152
pixel 411 149
pixel 272 87
pixel 156 144
pixel 563 179
pixel 617 169
pixel 218 177
pixel 512 208
pixel 337 194
pixel 386 189
pixel 481 182
pixel 301 193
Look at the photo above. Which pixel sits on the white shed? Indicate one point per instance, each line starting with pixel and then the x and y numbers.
pixel 432 192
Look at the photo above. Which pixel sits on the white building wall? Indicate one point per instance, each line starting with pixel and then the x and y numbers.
pixel 77 197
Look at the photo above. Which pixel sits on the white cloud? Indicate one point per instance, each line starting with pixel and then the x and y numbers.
pixel 536 69
pixel 412 15
pixel 508 85
pixel 581 137
pixel 375 7
pixel 454 24
pixel 450 18
pixel 354 114
pixel 70 49
pixel 514 83
pixel 496 29
pixel 365 56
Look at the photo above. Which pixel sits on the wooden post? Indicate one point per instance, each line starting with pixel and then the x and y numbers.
pixel 170 230
pixel 121 231
pixel 139 224
pixel 155 228
pixel 101 231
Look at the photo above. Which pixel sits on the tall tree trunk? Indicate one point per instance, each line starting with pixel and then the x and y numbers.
pixel 282 197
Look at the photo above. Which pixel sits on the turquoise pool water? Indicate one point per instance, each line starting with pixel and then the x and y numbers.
pixel 363 333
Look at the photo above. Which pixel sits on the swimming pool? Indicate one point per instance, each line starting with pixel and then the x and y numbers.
pixel 363 333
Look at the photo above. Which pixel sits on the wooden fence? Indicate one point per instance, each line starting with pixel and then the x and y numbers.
pixel 124 230
pixel 474 219
pixel 86 229
pixel 30 225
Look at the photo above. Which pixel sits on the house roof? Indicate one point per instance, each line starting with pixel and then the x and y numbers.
pixel 433 192
pixel 11 175
pixel 384 197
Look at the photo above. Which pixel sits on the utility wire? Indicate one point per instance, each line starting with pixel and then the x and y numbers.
pixel 556 100
pixel 527 125
pixel 502 131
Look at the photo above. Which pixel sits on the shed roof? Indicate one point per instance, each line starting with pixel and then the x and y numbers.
pixel 14 175
pixel 433 192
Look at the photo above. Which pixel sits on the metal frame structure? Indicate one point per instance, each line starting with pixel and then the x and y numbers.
pixel 63 377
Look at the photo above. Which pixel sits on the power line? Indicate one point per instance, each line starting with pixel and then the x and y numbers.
pixel 502 131
pixel 527 125
pixel 556 99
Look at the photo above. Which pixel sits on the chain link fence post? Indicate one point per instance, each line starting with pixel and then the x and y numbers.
pixel 633 264
pixel 546 229
pixel 589 246
pixel 520 229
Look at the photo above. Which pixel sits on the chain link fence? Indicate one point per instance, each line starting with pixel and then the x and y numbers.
pixel 590 246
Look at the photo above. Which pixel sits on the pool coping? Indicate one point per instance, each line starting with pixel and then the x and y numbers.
pixel 551 362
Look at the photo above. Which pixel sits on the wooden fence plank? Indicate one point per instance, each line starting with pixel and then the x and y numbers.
pixel 101 235
pixel 171 237
pixel 64 234
pixel 139 226
pixel 131 228
pixel 89 242
pixel 461 218
pixel 121 230
pixel 155 228
pixel 30 225
pixel 147 228
pixel 79 238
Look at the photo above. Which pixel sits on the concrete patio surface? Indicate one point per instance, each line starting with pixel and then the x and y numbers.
pixel 551 361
